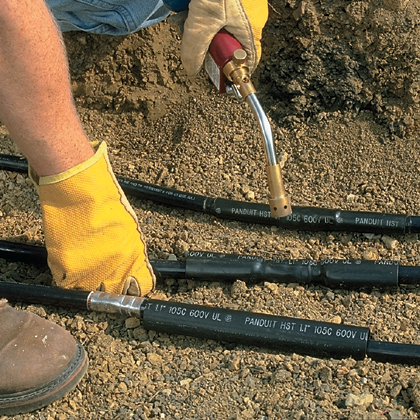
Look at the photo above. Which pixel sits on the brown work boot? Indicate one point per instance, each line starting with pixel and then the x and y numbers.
pixel 39 361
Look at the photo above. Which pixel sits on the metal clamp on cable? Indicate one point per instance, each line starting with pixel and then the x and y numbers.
pixel 112 303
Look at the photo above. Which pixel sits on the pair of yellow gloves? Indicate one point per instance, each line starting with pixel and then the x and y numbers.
pixel 91 231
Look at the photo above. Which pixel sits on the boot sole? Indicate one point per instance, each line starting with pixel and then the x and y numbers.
pixel 33 399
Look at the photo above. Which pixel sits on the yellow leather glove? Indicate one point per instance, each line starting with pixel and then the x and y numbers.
pixel 91 232
pixel 244 19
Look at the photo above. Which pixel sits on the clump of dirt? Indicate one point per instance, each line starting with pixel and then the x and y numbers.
pixel 323 56
pixel 141 72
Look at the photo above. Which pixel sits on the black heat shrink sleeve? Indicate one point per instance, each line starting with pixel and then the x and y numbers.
pixel 302 218
pixel 212 266
pixel 285 334
pixel 333 273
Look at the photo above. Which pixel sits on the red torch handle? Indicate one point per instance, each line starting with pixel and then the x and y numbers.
pixel 222 47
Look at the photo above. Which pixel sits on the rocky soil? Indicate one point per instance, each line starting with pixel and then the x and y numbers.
pixel 340 83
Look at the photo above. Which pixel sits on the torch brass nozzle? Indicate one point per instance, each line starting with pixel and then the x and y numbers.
pixel 279 201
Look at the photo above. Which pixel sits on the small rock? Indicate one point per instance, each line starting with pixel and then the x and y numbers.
pixel 248 414
pixel 396 389
pixel 325 374
pixel 82 40
pixel 250 195
pixel 158 295
pixel 140 334
pixel 43 279
pixel 394 415
pixel 181 246
pixel 185 382
pixel 238 287
pixel 154 359
pixel 282 375
pixel 122 387
pixel 330 295
pixel 370 254
pixel 336 319
pixel 234 364
pixel 283 159
pixel 347 301
pixel 386 377
pixel 300 415
pixel 273 287
pixel 343 370
pixel 38 310
pixel 299 11
pixel 364 370
pixel 389 242
pixel 369 235
pixel 132 322
pixel 364 400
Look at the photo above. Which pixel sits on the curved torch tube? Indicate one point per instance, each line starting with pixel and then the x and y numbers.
pixel 279 201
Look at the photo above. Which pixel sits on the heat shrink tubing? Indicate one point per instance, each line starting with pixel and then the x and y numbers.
pixel 302 218
pixel 212 266
pixel 284 334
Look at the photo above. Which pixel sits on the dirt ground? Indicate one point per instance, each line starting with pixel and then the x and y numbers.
pixel 340 82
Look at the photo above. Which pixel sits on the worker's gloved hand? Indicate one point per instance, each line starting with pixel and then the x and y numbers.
pixel 91 232
pixel 244 19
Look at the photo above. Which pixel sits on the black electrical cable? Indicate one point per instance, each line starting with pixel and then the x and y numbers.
pixel 212 266
pixel 42 295
pixel 13 163
pixel 30 254
pixel 37 255
pixel 316 338
pixel 302 218
pixel 409 274
pixel 285 334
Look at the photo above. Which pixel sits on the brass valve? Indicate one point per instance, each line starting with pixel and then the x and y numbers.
pixel 237 72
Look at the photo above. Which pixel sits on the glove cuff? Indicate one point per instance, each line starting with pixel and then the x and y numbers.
pixel 91 231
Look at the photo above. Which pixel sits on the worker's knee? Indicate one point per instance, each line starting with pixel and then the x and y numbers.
pixel 111 17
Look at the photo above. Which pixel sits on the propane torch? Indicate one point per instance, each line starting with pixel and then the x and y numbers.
pixel 226 66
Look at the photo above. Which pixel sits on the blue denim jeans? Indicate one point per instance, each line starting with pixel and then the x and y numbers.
pixel 111 17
